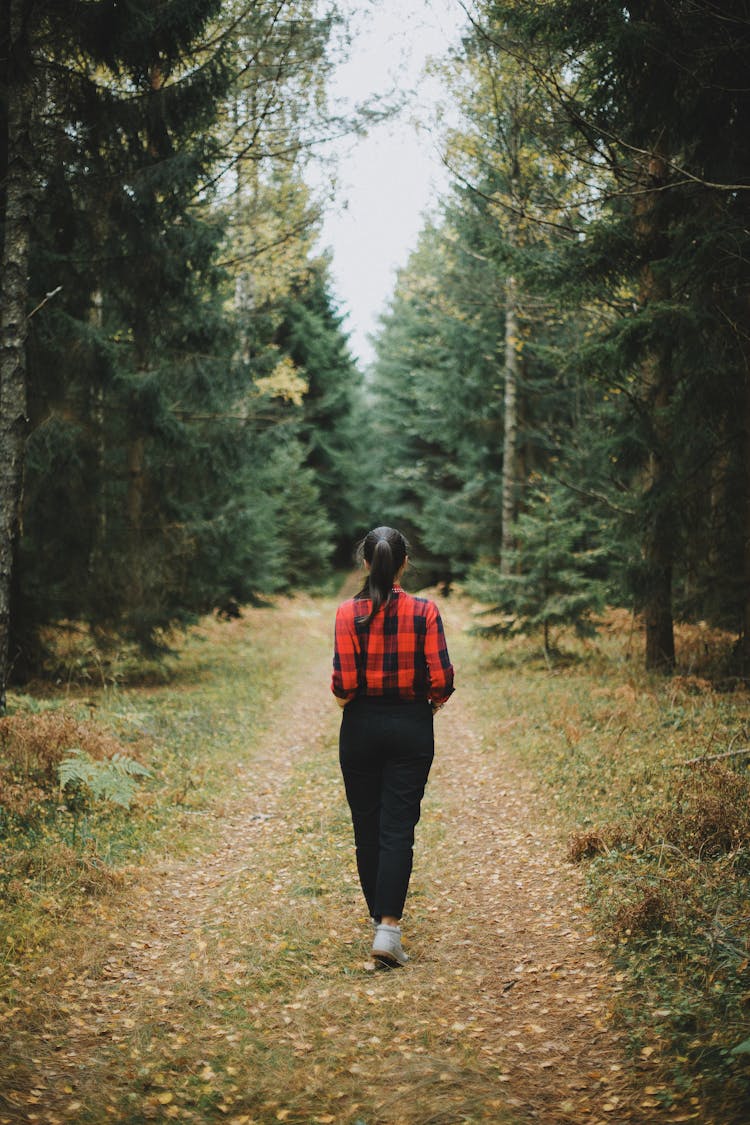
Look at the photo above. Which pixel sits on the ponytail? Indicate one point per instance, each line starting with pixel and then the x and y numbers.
pixel 385 549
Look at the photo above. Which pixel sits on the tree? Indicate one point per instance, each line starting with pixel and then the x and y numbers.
pixel 434 415
pixel 657 97
pixel 558 568
pixel 503 152
pixel 17 202
pixel 311 334
pixel 55 57
pixel 162 461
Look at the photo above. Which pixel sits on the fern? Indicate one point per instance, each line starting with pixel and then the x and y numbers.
pixel 108 779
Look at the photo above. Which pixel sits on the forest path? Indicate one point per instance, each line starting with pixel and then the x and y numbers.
pixel 234 984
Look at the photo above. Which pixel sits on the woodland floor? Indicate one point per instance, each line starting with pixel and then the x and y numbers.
pixel 233 982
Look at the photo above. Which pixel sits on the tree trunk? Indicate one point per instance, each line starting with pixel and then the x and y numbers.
pixel 97 411
pixel 136 484
pixel 136 450
pixel 656 387
pixel 744 638
pixel 510 434
pixel 658 549
pixel 659 528
pixel 13 328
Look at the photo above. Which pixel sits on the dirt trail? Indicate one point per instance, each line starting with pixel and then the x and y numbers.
pixel 541 990
pixel 234 985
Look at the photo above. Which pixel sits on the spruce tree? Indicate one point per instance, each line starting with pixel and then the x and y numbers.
pixel 311 333
pixel 99 87
pixel 659 100
pixel 557 572
pixel 160 469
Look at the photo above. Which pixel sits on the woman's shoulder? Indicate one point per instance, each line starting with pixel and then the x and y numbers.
pixel 420 605
pixel 351 607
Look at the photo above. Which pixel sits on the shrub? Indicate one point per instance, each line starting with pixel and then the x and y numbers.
pixel 32 749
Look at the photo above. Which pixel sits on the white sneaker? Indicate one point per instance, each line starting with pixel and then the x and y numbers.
pixel 386 948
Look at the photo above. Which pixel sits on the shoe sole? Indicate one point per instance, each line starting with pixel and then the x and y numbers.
pixel 387 959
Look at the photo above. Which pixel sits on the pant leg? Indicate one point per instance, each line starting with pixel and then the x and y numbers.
pixel 409 755
pixel 362 770
pixel 385 751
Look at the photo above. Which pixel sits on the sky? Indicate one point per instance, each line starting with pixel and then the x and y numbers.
pixel 388 180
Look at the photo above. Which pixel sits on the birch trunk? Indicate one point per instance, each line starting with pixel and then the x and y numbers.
pixel 14 290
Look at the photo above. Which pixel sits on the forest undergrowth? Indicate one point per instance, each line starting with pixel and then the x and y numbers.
pixel 198 951
pixel 651 778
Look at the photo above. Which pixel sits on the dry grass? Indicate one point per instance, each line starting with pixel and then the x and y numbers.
pixel 32 747
pixel 666 844
pixel 222 974
pixel 585 845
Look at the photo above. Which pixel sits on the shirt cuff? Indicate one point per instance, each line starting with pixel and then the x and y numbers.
pixel 341 694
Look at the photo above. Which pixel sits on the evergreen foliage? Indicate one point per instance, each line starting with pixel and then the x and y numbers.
pixel 311 333
pixel 435 417
pixel 602 168
pixel 576 312
pixel 659 103
pixel 186 368
pixel 557 569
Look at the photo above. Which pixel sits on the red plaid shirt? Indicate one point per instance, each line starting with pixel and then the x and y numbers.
pixel 402 652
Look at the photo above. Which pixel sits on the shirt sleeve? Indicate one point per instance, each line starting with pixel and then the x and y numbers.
pixel 346 650
pixel 438 661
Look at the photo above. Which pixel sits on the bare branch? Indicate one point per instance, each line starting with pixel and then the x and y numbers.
pixel 742 752
pixel 43 302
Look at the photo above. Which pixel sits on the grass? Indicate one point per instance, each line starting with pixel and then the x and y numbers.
pixel 146 1009
pixel 56 851
pixel 666 844
pixel 171 993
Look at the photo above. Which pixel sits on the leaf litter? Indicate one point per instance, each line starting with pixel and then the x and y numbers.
pixel 233 982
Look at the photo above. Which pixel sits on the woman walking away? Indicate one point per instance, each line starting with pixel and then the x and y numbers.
pixel 391 673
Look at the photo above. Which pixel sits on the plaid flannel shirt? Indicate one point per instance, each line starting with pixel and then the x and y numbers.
pixel 401 654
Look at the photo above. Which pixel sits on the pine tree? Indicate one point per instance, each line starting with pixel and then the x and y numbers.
pixel 434 415
pixel 101 89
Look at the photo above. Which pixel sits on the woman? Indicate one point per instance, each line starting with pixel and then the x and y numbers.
pixel 391 673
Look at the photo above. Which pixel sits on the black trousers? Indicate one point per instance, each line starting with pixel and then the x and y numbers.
pixel 385 750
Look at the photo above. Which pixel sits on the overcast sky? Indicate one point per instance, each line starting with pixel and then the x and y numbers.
pixel 389 179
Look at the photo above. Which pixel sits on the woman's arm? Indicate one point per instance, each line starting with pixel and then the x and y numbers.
pixel 345 680
pixel 439 664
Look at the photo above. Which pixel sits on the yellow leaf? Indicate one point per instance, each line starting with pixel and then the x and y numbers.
pixel 285 382
pixel 164 1098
